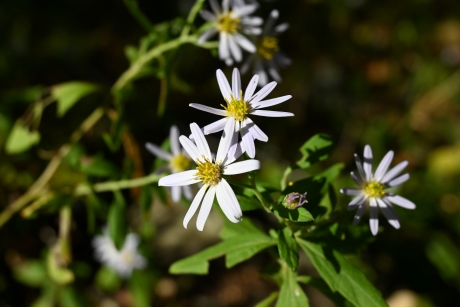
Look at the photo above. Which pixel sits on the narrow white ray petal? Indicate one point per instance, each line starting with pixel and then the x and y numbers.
pixel 200 141
pixel 351 191
pixel 224 52
pixel 235 50
pixel 157 151
pixel 207 15
pixel 252 30
pixel 242 167
pixel 244 43
pixel 244 10
pixel 359 213
pixel 236 83
pixel 282 60
pixel 368 162
pixel 225 202
pixel 205 208
pixel 398 180
pixel 256 132
pixel 215 6
pixel 175 193
pixel 273 71
pixel 270 102
pixel 270 22
pixel 215 126
pixel 238 152
pixel 383 166
pixel 374 216
pixel 400 201
pixel 174 140
pixel 190 147
pixel 234 142
pixel 234 204
pixel 262 93
pixel 356 178
pixel 251 87
pixel 223 84
pixel 356 202
pixel 251 21
pixel 182 178
pixel 226 140
pixel 267 113
pixel 248 140
pixel 205 36
pixel 281 28
pixel 187 192
pixel 225 6
pixel 208 109
pixel 194 206
pixel 359 165
pixel 392 173
pixel 389 213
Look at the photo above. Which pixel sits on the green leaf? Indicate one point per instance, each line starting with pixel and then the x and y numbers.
pixel 329 175
pixel 267 302
pixel 291 294
pixel 107 279
pixel 21 138
pixel 69 93
pixel 248 203
pixel 237 250
pixel 116 220
pixel 69 298
pixel 341 276
pixel 287 247
pixel 31 273
pixel 242 228
pixel 297 215
pixel 58 274
pixel 319 284
pixel 317 148
pixel 141 286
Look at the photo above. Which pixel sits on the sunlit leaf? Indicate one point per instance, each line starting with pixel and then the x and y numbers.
pixel 297 215
pixel 31 273
pixel 69 93
pixel 21 138
pixel 317 148
pixel 291 294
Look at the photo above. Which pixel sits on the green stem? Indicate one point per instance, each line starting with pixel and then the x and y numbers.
pixel 138 15
pixel 191 17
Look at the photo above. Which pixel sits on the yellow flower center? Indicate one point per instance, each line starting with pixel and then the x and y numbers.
pixel 208 172
pixel 180 163
pixel 374 189
pixel 237 107
pixel 268 47
pixel 228 23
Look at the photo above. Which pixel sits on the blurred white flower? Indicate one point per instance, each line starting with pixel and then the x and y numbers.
pixel 123 261
pixel 230 23
pixel 372 191
pixel 267 59
pixel 209 172
pixel 238 109
pixel 179 161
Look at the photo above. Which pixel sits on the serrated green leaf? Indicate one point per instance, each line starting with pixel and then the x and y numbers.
pixel 21 138
pixel 31 273
pixel 237 250
pixel 341 276
pixel 267 302
pixel 291 294
pixel 69 93
pixel 287 248
pixel 317 148
pixel 297 215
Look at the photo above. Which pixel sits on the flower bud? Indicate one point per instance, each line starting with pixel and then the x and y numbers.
pixel 294 200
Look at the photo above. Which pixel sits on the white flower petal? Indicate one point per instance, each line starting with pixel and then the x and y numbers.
pixel 242 167
pixel 256 132
pixel 131 242
pixel 400 201
pixel 227 201
pixel 389 213
pixel 175 193
pixel 224 52
pixel 271 102
pixel 281 28
pixel 356 178
pixel 174 140
pixel 182 178
pixel 359 165
pixel 226 140
pixel 245 43
pixel 215 7
pixel 267 113
pixel 194 206
pixel 398 180
pixel 374 216
pixel 200 141
pixel 215 126
pixel 248 140
pixel 394 171
pixel 231 155
pixel 262 93
pixel 251 87
pixel 205 208
pixel 273 71
pixel 236 83
pixel 368 162
pixel 157 151
pixel 225 5
pixel 235 50
pixel 208 109
pixel 190 147
pixel 223 84
pixel 383 166
pixel 205 36
pixel 238 152
pixel 270 22
pixel 359 214
pixel 187 192
pixel 252 30
pixel 356 202
pixel 244 10
pixel 207 15
pixel 351 191
pixel 251 21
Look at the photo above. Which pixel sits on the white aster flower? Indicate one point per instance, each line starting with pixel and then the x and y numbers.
pixel 238 109
pixel 123 261
pixel 210 172
pixel 372 191
pixel 179 161
pixel 267 59
pixel 230 23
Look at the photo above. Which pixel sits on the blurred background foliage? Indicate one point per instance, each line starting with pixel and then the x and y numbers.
pixel 383 73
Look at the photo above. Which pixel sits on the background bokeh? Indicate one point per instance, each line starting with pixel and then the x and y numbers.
pixel 383 73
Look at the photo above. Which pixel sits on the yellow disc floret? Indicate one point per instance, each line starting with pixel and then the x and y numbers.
pixel 374 189
pixel 228 23
pixel 237 108
pixel 180 163
pixel 267 47
pixel 208 172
